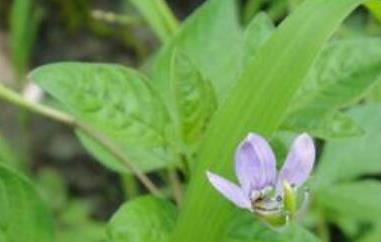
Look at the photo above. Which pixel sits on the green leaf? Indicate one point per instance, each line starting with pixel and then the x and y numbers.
pixel 256 34
pixel 8 156
pixel 145 219
pixel 118 103
pixel 24 21
pixel 194 98
pixel 352 157
pixel 245 228
pixel 159 17
pixel 343 74
pixel 77 225
pixel 24 217
pixel 357 200
pixel 203 37
pixel 257 103
pixel 372 236
pixel 320 123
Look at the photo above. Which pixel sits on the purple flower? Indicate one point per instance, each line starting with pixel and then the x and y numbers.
pixel 261 188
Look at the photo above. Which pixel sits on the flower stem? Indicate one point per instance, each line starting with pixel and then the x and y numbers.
pixel 14 98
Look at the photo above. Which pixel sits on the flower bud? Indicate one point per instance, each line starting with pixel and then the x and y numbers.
pixel 289 199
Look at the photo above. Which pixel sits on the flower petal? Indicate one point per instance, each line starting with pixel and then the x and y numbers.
pixel 299 162
pixel 255 163
pixel 229 190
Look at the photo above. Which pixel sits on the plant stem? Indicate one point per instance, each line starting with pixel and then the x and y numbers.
pixel 13 97
pixel 130 186
pixel 168 16
pixel 159 16
pixel 176 185
pixel 322 229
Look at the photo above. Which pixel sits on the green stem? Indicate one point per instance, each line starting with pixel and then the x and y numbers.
pixel 13 97
pixel 168 16
pixel 159 16
pixel 175 184
pixel 130 186
pixel 322 229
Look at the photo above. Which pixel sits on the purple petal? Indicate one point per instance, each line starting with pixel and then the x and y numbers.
pixel 300 161
pixel 230 191
pixel 255 163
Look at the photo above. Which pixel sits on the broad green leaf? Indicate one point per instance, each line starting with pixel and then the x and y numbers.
pixel 25 18
pixel 24 217
pixel 212 38
pixel 145 219
pixel 194 98
pixel 320 123
pixel 358 200
pixel 257 103
pixel 349 158
pixel 255 35
pixel 118 103
pixel 245 228
pixel 159 17
pixel 343 74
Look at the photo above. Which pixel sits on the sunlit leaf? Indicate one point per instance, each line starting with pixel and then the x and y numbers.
pixel 212 38
pixel 344 73
pixel 145 219
pixel 118 103
pixel 194 98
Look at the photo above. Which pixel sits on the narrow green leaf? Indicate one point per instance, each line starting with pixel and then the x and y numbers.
pixel 145 219
pixel 256 34
pixel 24 217
pixel 358 200
pixel 257 103
pixel 352 157
pixel 25 18
pixel 117 102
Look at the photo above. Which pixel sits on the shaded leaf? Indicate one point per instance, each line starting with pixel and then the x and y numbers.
pixel 352 157
pixel 24 217
pixel 357 200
